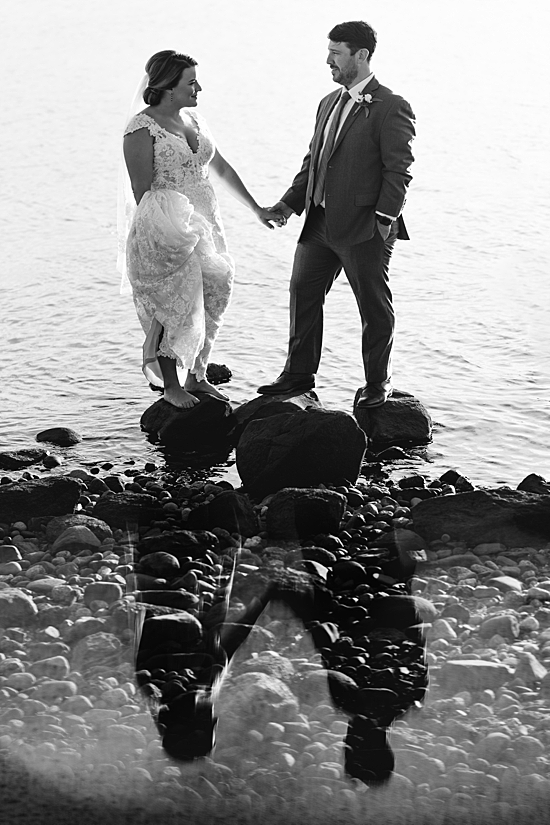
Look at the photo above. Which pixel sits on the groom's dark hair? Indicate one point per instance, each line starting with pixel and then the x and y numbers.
pixel 356 34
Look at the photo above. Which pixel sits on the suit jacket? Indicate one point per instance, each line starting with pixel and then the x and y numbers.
pixel 369 168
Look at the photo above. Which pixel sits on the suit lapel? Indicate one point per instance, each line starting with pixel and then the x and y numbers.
pixel 371 86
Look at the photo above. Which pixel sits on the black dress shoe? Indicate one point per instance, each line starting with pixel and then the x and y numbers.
pixel 374 395
pixel 296 382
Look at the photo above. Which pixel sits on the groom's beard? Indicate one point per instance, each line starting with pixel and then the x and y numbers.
pixel 345 77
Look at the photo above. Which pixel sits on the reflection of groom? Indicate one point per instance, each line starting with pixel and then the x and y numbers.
pixel 352 185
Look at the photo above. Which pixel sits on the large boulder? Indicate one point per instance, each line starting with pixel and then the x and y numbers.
pixel 300 450
pixel 402 421
pixel 207 422
pixel 265 406
pixel 17 609
pixel 22 500
pixel 298 513
pixel 511 517
pixel 124 510
pixel 229 510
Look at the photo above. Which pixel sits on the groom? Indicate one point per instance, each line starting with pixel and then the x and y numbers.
pixel 352 186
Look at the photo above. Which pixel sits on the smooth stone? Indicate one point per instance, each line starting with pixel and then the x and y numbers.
pixel 54 690
pixel 61 436
pixel 505 584
pixel 108 592
pixel 503 625
pixel 529 669
pixel 56 667
pixel 298 513
pixel 17 609
pixel 9 552
pixel 75 539
pixel 473 674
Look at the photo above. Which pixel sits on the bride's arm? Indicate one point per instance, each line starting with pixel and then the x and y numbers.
pixel 236 187
pixel 138 154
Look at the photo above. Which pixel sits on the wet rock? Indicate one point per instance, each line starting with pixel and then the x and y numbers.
pixel 218 374
pixel 18 459
pixel 534 483
pixel 402 421
pixel 56 526
pixel 45 497
pixel 300 450
pixel 61 436
pixel 127 510
pixel 17 609
pixel 207 422
pixel 181 627
pixel 298 513
pixel 472 674
pixel 230 511
pixel 265 407
pixel 159 564
pixel 511 517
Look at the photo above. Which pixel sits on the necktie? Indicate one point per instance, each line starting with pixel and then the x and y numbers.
pixel 319 190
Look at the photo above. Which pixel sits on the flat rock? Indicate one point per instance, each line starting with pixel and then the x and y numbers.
pixel 229 510
pixel 22 500
pixel 298 513
pixel 511 517
pixel 207 422
pixel 17 609
pixel 300 450
pixel 18 459
pixel 402 421
pixel 472 674
pixel 61 436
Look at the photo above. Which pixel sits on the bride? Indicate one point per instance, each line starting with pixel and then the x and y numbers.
pixel 175 249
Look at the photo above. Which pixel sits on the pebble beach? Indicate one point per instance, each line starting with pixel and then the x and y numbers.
pixel 77 736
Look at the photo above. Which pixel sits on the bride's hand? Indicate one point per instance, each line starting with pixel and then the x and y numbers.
pixel 270 216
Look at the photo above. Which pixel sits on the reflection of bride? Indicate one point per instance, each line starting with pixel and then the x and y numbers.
pixel 174 252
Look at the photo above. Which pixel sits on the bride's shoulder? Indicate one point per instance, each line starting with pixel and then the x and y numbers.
pixel 141 121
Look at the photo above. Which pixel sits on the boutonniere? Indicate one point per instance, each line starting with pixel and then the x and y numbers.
pixel 365 100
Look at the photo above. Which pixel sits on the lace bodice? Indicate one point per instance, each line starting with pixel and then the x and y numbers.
pixel 176 166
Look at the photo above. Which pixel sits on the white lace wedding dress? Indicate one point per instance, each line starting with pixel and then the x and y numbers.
pixel 176 253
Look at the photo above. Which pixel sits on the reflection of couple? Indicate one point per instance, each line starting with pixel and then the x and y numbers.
pixel 352 187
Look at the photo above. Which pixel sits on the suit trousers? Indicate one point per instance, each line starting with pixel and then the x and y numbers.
pixel 317 264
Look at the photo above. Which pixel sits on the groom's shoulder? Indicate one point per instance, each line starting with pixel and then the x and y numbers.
pixel 388 94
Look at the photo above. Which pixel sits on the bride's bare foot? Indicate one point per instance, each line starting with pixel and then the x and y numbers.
pixel 193 385
pixel 180 398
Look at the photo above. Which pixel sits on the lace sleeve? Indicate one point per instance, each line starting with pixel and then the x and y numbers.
pixel 142 121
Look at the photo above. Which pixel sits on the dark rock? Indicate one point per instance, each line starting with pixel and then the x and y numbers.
pixel 206 422
pixel 51 461
pixel 402 421
pixel 511 517
pixel 22 500
pixel 179 627
pixel 124 510
pixel 17 459
pixel 114 484
pixel 177 599
pixel 180 543
pixel 56 526
pixel 218 374
pixel 62 436
pixel 298 513
pixel 229 510
pixel 264 407
pixel 534 483
pixel 16 608
pixel 459 482
pixel 391 454
pixel 300 450
pixel 8 552
pixel 159 565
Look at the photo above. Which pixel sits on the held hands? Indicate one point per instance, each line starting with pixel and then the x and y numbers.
pixel 277 214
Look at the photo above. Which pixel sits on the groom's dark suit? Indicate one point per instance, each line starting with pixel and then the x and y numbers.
pixel 368 172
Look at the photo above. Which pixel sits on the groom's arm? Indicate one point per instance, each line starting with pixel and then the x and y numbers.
pixel 396 137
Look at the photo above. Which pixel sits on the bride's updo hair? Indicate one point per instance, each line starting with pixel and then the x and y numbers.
pixel 164 70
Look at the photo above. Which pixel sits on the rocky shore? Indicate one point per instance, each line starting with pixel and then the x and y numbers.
pixel 102 549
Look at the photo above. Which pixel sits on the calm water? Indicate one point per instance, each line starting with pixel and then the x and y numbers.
pixel 471 288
